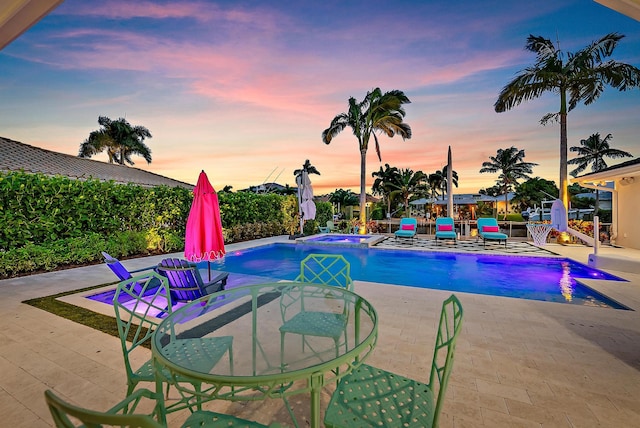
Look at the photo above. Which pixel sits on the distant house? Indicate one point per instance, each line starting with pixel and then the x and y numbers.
pixel 462 203
pixel 625 205
pixel 16 156
pixel 267 188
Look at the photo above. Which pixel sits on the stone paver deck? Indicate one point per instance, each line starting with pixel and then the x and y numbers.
pixel 519 363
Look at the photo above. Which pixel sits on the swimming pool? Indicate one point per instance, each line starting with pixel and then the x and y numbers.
pixel 534 278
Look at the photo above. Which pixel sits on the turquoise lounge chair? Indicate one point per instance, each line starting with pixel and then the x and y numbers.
pixel 445 229
pixel 408 228
pixel 489 230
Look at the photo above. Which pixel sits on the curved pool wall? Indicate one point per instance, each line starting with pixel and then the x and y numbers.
pixel 535 278
pixel 342 240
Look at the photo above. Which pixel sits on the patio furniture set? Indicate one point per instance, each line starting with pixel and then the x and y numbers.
pixel 237 344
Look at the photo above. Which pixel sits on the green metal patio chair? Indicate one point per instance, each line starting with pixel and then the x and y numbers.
pixel 372 397
pixel 122 415
pixel 137 310
pixel 327 269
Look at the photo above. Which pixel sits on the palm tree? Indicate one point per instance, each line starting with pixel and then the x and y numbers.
pixel 580 77
pixel 592 151
pixel 343 198
pixel 512 168
pixel 377 112
pixel 119 139
pixel 306 167
pixel 435 181
pixel 381 185
pixel 407 184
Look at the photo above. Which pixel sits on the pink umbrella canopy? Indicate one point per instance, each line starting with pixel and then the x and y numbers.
pixel 203 239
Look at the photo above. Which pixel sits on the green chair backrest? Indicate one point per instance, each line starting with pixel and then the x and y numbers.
pixel 63 413
pixel 448 329
pixel 327 269
pixel 137 308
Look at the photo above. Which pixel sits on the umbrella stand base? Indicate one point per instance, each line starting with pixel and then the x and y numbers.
pixel 296 236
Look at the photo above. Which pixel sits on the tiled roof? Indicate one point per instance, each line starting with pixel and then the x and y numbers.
pixel 16 156
pixel 615 167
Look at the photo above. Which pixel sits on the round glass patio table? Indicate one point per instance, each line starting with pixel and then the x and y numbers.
pixel 258 341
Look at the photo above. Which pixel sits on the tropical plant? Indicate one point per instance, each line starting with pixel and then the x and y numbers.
pixel 533 191
pixel 306 167
pixel 438 181
pixel 494 191
pixel 376 112
pixel 509 162
pixel 343 198
pixel 382 183
pixel 592 151
pixel 578 77
pixel 407 184
pixel 119 139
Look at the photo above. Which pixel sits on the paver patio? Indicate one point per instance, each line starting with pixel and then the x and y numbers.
pixel 519 363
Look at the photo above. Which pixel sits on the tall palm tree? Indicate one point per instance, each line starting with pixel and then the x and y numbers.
pixel 376 112
pixel 509 162
pixel 576 77
pixel 407 184
pixel 119 139
pixel 592 151
pixel 381 185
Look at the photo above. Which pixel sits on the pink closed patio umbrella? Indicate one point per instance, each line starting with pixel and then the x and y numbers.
pixel 203 239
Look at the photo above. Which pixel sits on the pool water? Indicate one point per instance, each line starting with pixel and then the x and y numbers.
pixel 353 239
pixel 534 278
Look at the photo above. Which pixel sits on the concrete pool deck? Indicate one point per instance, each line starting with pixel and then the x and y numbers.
pixel 519 363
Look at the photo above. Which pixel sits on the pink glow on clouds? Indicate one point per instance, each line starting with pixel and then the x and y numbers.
pixel 246 90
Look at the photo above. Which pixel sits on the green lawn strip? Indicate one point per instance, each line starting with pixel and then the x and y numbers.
pixel 80 315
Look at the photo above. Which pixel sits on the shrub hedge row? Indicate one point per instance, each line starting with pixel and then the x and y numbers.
pixel 48 222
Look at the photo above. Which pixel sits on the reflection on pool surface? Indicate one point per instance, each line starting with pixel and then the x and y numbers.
pixel 533 278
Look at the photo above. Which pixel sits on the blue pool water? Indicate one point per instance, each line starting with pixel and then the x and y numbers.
pixel 534 278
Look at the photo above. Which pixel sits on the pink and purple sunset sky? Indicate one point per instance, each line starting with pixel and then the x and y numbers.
pixel 244 89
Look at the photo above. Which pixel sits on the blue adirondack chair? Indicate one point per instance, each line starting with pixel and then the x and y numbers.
pixel 185 282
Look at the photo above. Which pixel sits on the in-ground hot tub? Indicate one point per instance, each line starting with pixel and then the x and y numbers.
pixel 343 240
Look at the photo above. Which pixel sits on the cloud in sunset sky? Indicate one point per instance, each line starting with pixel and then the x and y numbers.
pixel 243 89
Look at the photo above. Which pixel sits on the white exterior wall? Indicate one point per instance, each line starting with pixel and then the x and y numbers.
pixel 628 214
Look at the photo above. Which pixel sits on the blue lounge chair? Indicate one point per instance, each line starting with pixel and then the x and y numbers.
pixel 489 230
pixel 185 282
pixel 408 228
pixel 121 272
pixel 445 229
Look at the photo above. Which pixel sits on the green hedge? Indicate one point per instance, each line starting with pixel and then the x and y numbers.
pixel 49 222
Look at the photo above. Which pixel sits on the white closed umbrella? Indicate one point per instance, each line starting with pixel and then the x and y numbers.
pixel 305 198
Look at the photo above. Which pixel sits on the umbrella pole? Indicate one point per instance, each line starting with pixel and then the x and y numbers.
pixel 209 266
